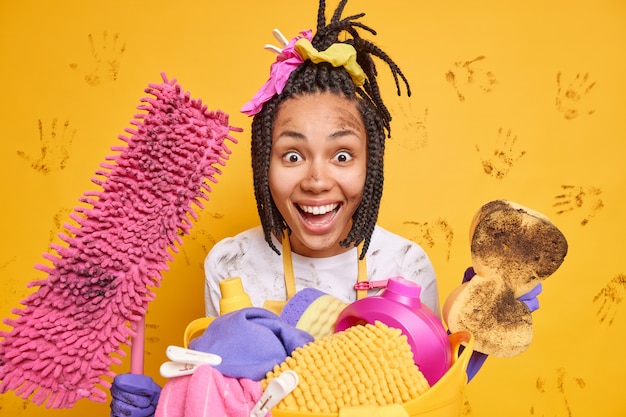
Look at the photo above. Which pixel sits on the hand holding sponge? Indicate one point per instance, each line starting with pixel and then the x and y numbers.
pixel 513 249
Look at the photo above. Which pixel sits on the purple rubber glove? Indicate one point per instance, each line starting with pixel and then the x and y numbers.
pixel 134 396
pixel 530 298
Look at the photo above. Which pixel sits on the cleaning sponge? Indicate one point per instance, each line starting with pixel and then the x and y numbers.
pixel 313 311
pixel 514 249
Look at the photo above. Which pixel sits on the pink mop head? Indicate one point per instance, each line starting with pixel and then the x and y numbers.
pixel 61 345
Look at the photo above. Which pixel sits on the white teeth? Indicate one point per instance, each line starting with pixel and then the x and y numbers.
pixel 316 210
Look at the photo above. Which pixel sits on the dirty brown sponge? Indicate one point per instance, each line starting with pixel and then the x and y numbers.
pixel 513 250
pixel 519 245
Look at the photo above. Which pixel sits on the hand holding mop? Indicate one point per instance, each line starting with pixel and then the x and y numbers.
pixel 62 342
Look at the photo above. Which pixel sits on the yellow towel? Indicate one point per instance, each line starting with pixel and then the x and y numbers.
pixel 363 365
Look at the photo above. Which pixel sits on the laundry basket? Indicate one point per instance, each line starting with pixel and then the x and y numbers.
pixel 444 399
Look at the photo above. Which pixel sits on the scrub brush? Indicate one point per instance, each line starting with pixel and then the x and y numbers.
pixel 71 330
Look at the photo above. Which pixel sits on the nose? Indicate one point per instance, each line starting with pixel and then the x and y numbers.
pixel 317 178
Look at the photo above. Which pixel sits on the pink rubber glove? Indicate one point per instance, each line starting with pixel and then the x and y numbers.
pixel 134 396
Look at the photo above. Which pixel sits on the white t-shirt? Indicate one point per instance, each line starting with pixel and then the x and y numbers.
pixel 248 256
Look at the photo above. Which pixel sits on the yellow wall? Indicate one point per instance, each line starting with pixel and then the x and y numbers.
pixel 534 89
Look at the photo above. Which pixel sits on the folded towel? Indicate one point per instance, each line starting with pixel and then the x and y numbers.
pixel 208 393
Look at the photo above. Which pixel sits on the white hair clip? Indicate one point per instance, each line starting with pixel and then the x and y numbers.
pixel 281 40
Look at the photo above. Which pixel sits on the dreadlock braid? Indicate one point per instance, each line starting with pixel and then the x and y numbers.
pixel 309 78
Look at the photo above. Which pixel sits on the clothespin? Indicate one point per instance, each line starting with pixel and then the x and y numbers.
pixel 277 389
pixel 368 285
pixel 281 40
pixel 185 361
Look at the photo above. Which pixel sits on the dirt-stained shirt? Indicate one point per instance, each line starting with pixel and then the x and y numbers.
pixel 248 256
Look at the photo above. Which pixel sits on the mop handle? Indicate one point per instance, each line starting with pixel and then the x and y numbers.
pixel 137 347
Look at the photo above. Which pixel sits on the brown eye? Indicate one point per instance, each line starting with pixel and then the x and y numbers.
pixel 343 156
pixel 292 157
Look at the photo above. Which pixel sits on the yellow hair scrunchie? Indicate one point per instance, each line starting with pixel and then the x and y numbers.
pixel 338 54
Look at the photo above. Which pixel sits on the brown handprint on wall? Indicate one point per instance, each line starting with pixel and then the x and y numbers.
pixel 54 148
pixel 415 128
pixel 152 338
pixel 18 409
pixel 59 223
pixel 107 54
pixel 577 198
pixel 433 234
pixel 470 74
pixel 556 387
pixel 571 98
pixel 201 238
pixel 499 162
pixel 609 298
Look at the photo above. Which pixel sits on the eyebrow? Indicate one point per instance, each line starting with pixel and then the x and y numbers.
pixel 333 136
pixel 292 134
pixel 343 132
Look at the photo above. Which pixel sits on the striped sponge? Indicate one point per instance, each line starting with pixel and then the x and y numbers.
pixel 313 311
pixel 61 343
pixel 370 364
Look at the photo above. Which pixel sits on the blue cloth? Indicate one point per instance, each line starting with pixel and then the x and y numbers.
pixel 251 341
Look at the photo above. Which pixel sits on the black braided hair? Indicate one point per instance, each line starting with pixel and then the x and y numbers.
pixel 309 78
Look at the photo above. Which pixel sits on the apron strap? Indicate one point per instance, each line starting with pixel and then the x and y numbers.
pixel 290 279
pixel 362 273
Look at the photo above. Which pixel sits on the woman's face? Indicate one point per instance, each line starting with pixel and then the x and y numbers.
pixel 317 170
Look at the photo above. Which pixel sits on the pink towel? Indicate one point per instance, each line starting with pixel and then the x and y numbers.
pixel 206 393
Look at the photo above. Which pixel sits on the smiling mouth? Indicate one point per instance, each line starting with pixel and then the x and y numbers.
pixel 318 215
pixel 318 210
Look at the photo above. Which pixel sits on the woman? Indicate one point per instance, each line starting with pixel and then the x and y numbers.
pixel 318 140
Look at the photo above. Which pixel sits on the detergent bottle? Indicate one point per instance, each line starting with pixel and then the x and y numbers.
pixel 399 306
pixel 233 295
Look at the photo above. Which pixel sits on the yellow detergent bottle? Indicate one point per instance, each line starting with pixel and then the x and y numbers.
pixel 233 298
